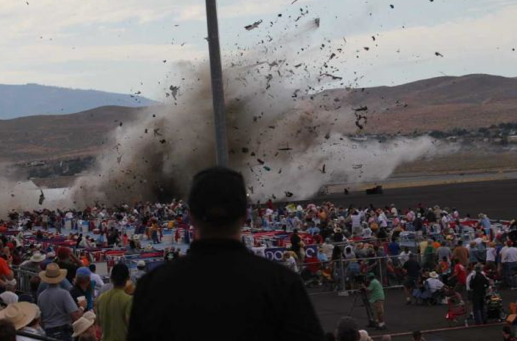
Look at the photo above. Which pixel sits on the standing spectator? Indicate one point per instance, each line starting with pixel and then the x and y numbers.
pixel 58 308
pixel 113 307
pixel 83 287
pixel 68 261
pixel 261 300
pixel 510 261
pixel 140 272
pixel 461 253
pixel 479 284
pixel 99 283
pixel 460 276
pixel 412 270
pixel 376 298
pixel 5 271
pixel 296 243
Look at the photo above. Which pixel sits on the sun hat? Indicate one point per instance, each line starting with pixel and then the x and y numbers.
pixel 81 325
pixel 20 314
pixel 433 274
pixel 37 257
pixel 90 315
pixel 53 274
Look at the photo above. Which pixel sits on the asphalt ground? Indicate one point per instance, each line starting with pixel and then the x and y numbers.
pixel 497 199
pixel 402 318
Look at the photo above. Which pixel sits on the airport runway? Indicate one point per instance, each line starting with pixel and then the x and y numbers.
pixel 497 198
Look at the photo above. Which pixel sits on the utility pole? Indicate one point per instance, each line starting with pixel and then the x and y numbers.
pixel 217 84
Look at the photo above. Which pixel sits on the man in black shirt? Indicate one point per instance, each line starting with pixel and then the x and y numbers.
pixel 412 269
pixel 220 290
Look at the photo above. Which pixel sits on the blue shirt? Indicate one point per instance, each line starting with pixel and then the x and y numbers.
pixel 394 248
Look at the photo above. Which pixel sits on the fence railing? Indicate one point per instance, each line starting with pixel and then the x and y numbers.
pixel 23 278
pixel 346 275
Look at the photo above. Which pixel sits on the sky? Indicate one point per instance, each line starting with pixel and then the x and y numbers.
pixel 127 46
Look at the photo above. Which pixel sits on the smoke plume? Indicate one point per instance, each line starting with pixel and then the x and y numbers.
pixel 285 130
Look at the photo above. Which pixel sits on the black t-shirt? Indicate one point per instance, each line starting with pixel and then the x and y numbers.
pixel 221 291
pixel 413 268
pixel 295 242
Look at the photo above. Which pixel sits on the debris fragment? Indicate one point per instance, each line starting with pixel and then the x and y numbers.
pixel 253 26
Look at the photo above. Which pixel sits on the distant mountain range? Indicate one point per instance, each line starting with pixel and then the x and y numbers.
pixel 34 99
pixel 442 104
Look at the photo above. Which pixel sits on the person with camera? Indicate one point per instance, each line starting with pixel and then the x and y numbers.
pixel 376 298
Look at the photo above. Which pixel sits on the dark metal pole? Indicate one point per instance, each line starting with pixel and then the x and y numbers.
pixel 217 83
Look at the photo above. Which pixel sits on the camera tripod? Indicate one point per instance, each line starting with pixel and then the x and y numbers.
pixel 367 306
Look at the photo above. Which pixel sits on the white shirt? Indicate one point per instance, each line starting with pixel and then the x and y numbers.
pixel 490 254
pixel 511 255
pixel 404 257
pixel 291 264
pixel 99 283
pixel 503 253
pixel 434 284
pixel 356 220
pixel 367 233
pixel 9 297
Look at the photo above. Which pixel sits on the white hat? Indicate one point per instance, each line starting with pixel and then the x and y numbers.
pixel 51 254
pixel 37 257
pixel 90 315
pixel 433 274
pixel 140 263
pixel 81 325
pixel 12 282
pixel 20 314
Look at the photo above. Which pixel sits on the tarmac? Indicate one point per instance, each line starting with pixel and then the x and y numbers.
pixel 496 198
pixel 404 319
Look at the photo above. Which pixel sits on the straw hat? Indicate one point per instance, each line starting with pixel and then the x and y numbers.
pixel 81 325
pixel 20 314
pixel 53 274
pixel 433 274
pixel 37 257
pixel 90 315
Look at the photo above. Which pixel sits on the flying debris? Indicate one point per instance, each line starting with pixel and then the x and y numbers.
pixel 317 22
pixel 174 91
pixel 253 26
pixel 41 197
pixel 288 194
pixel 362 108
pixel 438 54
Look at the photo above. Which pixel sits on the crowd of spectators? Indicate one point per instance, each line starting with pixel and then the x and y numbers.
pixel 448 256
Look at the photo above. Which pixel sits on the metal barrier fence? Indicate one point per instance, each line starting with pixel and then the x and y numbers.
pixel 23 278
pixel 346 275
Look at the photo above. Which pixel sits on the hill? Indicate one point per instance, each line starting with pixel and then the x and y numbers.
pixel 61 136
pixel 442 104
pixel 34 99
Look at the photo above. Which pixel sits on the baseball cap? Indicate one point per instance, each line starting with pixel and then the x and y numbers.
pixel 83 272
pixel 140 263
pixel 218 196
